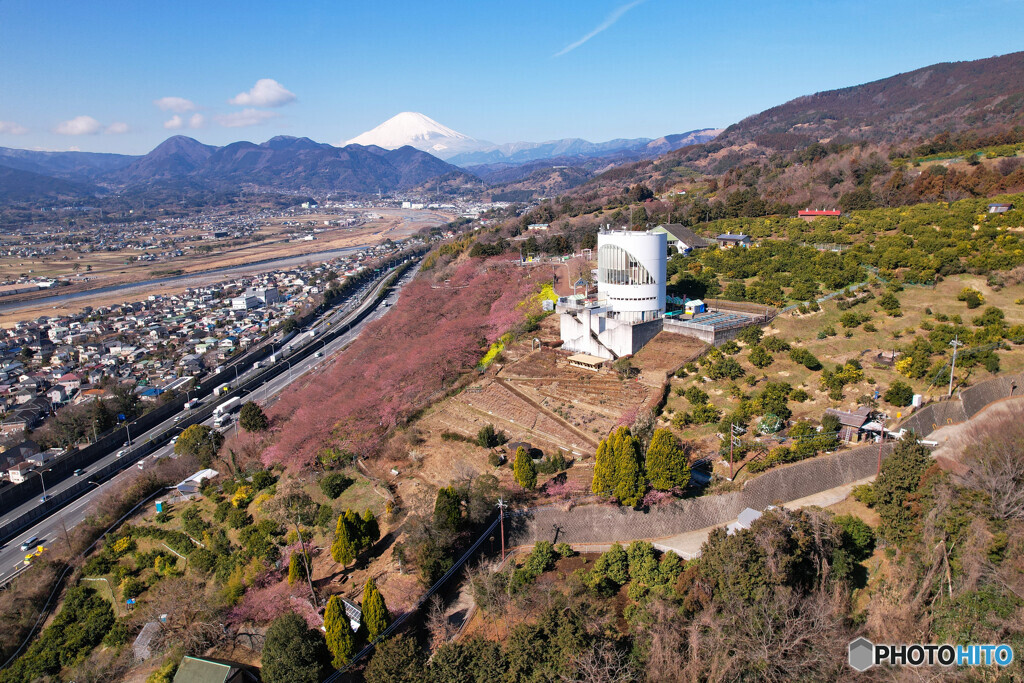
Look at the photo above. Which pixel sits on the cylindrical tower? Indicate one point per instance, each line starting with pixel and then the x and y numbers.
pixel 631 274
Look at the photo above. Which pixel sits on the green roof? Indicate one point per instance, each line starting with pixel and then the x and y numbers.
pixel 196 670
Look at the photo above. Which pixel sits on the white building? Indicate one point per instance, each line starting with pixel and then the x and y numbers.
pixel 630 303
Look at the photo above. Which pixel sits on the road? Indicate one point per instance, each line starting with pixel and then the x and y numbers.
pixel 50 530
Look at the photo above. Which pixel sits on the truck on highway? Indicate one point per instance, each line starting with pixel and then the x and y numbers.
pixel 227 406
pixel 189 405
pixel 222 389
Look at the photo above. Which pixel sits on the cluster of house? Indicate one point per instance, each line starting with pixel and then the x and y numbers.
pixel 155 345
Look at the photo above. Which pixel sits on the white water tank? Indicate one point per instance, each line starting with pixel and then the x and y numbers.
pixel 631 273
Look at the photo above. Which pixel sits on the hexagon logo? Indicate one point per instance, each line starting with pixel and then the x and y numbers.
pixel 862 654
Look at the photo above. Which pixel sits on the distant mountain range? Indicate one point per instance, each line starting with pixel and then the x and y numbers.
pixel 282 163
pixel 424 133
pixel 411 150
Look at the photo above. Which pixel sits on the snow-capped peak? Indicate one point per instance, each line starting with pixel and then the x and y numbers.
pixel 419 131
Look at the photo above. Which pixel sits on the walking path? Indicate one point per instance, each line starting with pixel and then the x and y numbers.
pixel 688 545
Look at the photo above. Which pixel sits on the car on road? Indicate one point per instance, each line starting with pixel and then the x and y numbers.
pixel 79 472
pixel 319 354
pixel 29 542
pixel 178 418
pixel 45 498
pixel 174 439
pixel 121 452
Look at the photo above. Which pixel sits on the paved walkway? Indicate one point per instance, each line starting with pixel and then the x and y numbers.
pixel 687 545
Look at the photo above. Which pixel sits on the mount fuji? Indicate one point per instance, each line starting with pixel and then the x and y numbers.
pixel 423 133
pixel 426 134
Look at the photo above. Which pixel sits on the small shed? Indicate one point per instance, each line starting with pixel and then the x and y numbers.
pixel 190 486
pixel 743 521
pixel 813 214
pixel 586 361
pixel 729 240
pixel 852 423
pixel 141 647
pixel 204 670
pixel 694 306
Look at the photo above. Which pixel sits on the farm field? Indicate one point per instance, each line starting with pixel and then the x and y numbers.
pixel 104 269
pixel 823 335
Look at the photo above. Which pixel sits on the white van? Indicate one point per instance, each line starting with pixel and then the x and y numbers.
pixel 29 543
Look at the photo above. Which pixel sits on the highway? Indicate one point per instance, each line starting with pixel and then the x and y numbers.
pixel 50 530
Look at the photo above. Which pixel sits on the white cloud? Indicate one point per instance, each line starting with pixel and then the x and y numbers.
pixel 80 125
pixel 12 128
pixel 246 117
pixel 175 104
pixel 174 123
pixel 196 121
pixel 604 25
pixel 117 128
pixel 266 93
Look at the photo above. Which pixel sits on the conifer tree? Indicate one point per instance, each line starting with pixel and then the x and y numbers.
pixel 340 636
pixel 630 482
pixel 345 547
pixel 523 469
pixel 370 528
pixel 604 468
pixel 666 462
pixel 375 613
pixel 296 569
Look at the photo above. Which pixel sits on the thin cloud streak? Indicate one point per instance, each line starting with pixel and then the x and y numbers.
pixel 605 25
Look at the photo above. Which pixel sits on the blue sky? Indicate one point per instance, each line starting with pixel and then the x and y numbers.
pixel 95 75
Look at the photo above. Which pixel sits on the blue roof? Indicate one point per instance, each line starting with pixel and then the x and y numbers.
pixel 732 237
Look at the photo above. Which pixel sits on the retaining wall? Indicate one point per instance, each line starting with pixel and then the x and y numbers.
pixel 609 523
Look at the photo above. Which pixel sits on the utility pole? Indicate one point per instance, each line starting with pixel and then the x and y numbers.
pixel 501 514
pixel 956 343
pixel 732 442
pixel 881 441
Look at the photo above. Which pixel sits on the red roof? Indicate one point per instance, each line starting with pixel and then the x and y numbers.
pixel 817 212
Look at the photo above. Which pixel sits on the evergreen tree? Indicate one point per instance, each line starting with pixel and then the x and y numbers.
pixel 340 636
pixel 630 481
pixel 604 468
pixel 900 476
pixel 371 530
pixel 397 660
pixel 614 564
pixel 345 546
pixel 252 418
pixel 375 613
pixel 292 652
pixel 448 509
pixel 760 358
pixel 667 467
pixel 296 569
pixel 523 469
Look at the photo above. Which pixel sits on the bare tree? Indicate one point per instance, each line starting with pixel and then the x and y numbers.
pixel 192 620
pixel 440 627
pixel 603 663
pixel 992 452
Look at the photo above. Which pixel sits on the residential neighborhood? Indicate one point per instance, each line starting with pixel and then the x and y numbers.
pixel 143 351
